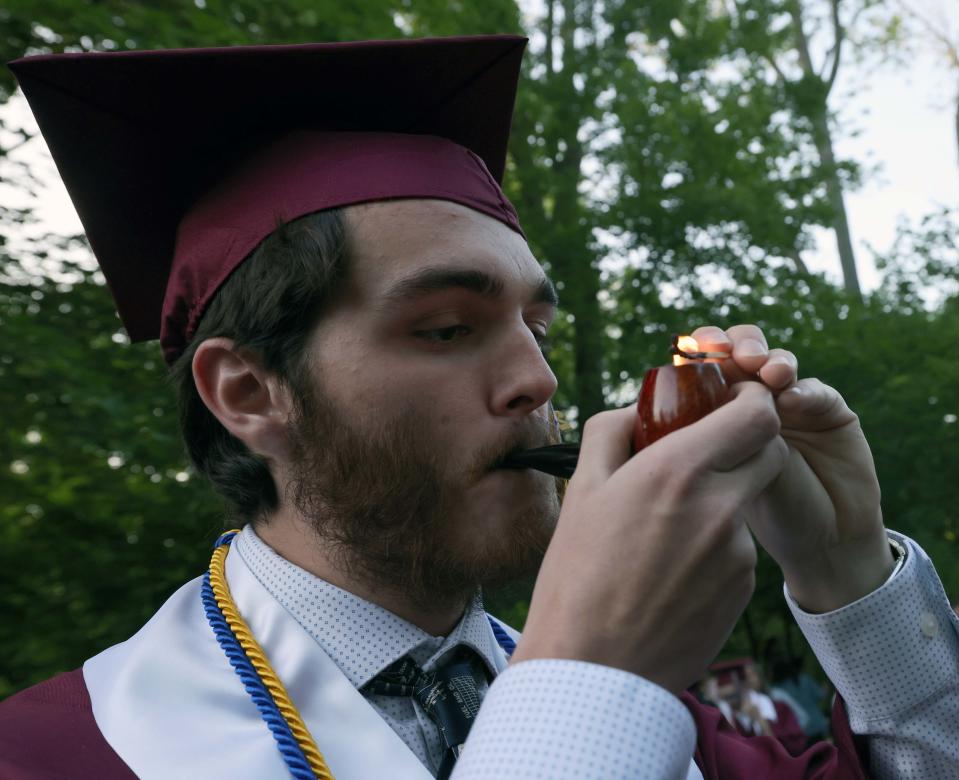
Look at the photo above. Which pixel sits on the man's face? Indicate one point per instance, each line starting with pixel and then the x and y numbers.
pixel 427 371
pixel 731 691
pixel 752 678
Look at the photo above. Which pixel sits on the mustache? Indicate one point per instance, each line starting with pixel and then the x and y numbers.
pixel 536 434
pixel 540 448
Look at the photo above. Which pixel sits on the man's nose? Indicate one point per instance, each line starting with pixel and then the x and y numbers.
pixel 523 380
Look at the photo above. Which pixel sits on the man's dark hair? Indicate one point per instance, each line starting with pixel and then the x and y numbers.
pixel 268 306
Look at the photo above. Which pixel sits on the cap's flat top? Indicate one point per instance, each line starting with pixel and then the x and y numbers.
pixel 138 136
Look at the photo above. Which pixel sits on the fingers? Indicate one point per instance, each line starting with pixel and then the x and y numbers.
pixel 730 435
pixel 605 445
pixel 712 339
pixel 750 350
pixel 720 441
pixel 750 355
pixel 754 475
pixel 810 405
pixel 780 369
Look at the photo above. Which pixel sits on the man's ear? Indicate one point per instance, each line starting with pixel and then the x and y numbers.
pixel 249 402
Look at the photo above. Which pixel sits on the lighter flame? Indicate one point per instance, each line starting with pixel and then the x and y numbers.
pixel 686 344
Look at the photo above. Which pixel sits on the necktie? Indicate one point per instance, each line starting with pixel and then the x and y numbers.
pixel 448 695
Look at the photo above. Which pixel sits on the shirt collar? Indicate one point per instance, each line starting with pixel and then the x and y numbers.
pixel 362 638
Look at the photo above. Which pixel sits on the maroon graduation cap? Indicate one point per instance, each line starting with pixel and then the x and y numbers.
pixel 181 162
pixel 730 670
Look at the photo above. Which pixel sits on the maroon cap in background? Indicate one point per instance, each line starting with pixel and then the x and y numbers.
pixel 729 670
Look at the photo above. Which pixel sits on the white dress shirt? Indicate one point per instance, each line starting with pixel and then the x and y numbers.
pixel 363 639
pixel 893 655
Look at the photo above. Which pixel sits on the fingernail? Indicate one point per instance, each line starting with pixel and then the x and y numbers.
pixel 797 390
pixel 751 348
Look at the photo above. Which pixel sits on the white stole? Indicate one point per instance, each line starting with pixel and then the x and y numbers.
pixel 171 706
pixel 169 703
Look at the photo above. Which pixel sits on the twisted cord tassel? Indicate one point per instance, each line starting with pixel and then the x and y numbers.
pixel 503 639
pixel 289 749
pixel 245 655
pixel 255 657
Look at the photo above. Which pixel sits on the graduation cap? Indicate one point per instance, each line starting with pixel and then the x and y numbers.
pixel 180 162
pixel 733 669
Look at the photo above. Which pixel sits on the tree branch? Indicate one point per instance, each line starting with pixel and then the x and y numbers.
pixel 936 32
pixel 838 37
pixel 802 42
pixel 550 31
pixel 775 66
pixel 7 149
pixel 800 265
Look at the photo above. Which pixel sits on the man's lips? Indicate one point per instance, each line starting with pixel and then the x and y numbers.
pixel 557 459
pixel 501 462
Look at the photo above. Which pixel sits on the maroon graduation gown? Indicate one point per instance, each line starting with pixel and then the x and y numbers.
pixel 47 732
pixel 722 753
pixel 787 729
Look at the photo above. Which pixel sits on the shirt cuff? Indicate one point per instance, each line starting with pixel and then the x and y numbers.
pixel 559 718
pixel 892 649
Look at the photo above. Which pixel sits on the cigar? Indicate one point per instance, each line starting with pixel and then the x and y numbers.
pixel 556 459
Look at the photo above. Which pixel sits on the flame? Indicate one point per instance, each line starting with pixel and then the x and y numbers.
pixel 686 344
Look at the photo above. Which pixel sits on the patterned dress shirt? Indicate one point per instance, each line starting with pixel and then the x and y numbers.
pixel 363 639
pixel 893 655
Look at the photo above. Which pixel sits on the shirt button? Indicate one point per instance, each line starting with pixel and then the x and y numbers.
pixel 928 625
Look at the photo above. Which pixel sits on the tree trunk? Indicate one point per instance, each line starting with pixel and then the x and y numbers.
pixel 568 244
pixel 588 340
pixel 798 263
pixel 572 258
pixel 847 256
pixel 822 136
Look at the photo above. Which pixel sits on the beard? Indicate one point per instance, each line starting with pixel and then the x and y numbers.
pixel 389 513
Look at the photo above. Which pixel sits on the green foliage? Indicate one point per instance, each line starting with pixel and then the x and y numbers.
pixel 891 360
pixel 101 519
pixel 667 137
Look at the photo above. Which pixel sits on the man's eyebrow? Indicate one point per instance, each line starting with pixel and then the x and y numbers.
pixel 439 278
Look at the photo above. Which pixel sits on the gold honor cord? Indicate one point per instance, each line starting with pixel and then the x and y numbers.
pixel 258 659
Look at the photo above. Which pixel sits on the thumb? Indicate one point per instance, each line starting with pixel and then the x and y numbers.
pixel 606 444
pixel 810 405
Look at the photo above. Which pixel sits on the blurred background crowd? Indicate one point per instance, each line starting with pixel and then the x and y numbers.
pixel 774 699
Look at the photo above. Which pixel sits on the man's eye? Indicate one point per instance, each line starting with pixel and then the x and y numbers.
pixel 443 335
pixel 454 332
pixel 545 345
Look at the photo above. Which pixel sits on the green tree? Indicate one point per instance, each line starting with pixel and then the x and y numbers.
pixel 656 150
pixel 890 359
pixel 101 518
pixel 810 90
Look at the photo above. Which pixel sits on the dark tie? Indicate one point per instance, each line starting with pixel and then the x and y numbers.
pixel 448 695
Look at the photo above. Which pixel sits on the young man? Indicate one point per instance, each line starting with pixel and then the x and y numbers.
pixel 351 383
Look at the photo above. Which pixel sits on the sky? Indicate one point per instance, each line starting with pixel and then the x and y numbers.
pixel 899 123
pixel 906 115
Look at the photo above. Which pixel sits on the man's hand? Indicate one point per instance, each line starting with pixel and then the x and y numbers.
pixel 651 563
pixel 821 518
